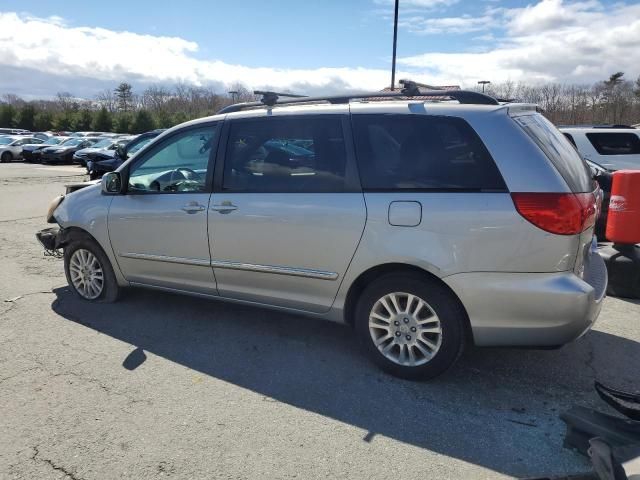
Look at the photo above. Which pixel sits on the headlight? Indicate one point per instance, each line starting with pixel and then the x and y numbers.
pixel 52 208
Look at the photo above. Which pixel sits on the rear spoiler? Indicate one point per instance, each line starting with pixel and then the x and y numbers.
pixel 522 109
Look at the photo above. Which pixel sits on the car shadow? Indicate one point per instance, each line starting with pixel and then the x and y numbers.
pixel 497 408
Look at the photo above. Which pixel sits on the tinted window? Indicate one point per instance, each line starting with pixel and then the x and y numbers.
pixel 559 150
pixel 610 143
pixel 286 155
pixel 178 165
pixel 422 152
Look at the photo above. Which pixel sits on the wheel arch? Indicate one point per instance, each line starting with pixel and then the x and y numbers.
pixel 366 277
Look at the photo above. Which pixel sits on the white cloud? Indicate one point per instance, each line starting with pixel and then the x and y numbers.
pixel 552 40
pixel 424 4
pixel 49 47
pixel 463 24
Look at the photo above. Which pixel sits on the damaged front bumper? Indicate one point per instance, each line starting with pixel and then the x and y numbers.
pixel 53 240
pixel 49 238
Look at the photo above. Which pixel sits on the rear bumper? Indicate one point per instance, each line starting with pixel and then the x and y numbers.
pixel 531 309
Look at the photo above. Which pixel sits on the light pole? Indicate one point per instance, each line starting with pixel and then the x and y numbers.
pixel 483 83
pixel 233 94
pixel 395 42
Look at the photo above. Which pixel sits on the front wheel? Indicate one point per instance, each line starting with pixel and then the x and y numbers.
pixel 410 325
pixel 6 157
pixel 89 272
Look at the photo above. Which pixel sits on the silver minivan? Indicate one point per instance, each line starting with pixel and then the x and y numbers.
pixel 427 226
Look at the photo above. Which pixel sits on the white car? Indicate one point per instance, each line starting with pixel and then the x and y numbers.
pixel 612 148
pixel 11 147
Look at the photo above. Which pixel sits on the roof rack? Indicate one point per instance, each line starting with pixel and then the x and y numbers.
pixel 409 89
pixel 271 98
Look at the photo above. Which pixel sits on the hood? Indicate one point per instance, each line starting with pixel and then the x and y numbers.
pixel 88 150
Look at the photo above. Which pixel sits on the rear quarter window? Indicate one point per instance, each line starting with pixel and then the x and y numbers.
pixel 559 150
pixel 422 152
pixel 615 143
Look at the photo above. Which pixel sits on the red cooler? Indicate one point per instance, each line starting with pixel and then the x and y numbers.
pixel 623 223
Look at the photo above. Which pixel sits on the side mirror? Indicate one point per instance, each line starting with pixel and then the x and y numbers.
pixel 112 183
pixel 121 152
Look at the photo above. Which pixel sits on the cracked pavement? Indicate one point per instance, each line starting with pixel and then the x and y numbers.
pixel 159 385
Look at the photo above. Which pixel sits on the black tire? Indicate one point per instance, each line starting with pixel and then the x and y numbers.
pixel 93 175
pixel 110 290
pixel 451 315
pixel 6 157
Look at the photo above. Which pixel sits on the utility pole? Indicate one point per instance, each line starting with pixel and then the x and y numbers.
pixel 483 83
pixel 395 43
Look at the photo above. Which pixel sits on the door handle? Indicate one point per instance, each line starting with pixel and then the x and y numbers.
pixel 224 207
pixel 193 207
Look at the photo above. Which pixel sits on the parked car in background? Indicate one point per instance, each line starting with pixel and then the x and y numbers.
pixel 88 134
pixel 104 146
pixel 606 149
pixel 425 226
pixel 103 162
pixel 11 147
pixel 14 131
pixel 41 135
pixel 611 148
pixel 63 153
pixel 31 152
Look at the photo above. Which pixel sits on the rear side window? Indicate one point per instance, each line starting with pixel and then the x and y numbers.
pixel 559 150
pixel 611 143
pixel 422 152
pixel 286 155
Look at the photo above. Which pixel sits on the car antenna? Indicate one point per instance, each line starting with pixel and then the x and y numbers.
pixel 271 98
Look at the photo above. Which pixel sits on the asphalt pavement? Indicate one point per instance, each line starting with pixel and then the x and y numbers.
pixel 160 385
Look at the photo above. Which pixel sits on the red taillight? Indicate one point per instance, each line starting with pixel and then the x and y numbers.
pixel 559 213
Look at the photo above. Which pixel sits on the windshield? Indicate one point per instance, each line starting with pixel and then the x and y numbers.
pixel 73 142
pixel 5 140
pixel 106 143
pixel 138 146
pixel 52 141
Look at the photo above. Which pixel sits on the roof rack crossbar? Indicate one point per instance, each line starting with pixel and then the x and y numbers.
pixel 271 98
pixel 462 96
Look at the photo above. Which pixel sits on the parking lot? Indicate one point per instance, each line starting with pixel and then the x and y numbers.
pixel 159 385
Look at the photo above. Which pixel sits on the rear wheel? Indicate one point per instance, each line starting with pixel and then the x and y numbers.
pixel 410 325
pixel 6 157
pixel 89 272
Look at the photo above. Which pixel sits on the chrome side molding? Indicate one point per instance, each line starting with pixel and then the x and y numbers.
pixel 296 272
pixel 248 267
pixel 164 258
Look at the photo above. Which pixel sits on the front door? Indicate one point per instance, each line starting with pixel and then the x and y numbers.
pixel 158 229
pixel 287 214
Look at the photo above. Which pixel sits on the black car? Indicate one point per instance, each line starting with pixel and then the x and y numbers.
pixel 63 153
pixel 104 148
pixel 97 168
pixel 31 153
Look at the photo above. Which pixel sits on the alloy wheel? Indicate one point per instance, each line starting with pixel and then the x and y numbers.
pixel 86 274
pixel 405 329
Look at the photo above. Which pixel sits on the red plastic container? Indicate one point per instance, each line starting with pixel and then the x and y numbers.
pixel 623 222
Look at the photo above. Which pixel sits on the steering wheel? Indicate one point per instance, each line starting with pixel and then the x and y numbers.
pixel 190 174
pixel 185 173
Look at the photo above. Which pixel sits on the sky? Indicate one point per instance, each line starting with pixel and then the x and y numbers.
pixel 310 46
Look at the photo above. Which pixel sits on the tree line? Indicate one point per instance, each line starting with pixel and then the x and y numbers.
pixel 119 110
pixel 615 100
